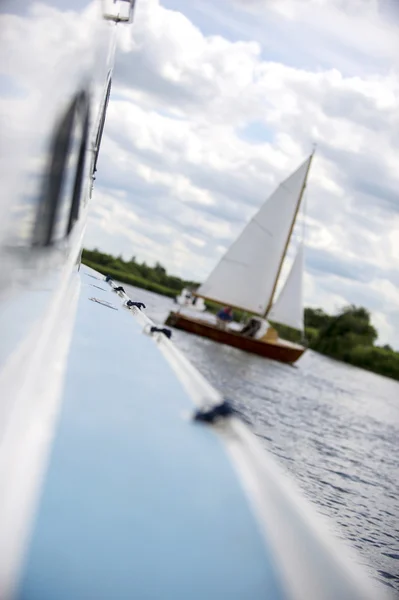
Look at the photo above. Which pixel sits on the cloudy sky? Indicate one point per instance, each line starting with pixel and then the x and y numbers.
pixel 216 101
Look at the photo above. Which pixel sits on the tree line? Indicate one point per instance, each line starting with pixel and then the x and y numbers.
pixel 155 278
pixel 347 336
pixel 350 337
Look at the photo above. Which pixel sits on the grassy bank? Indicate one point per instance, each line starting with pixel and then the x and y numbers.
pixel 124 277
pixel 146 284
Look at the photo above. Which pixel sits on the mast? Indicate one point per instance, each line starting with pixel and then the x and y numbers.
pixel 270 303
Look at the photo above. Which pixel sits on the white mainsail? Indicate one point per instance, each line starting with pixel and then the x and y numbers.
pixel 288 308
pixel 247 274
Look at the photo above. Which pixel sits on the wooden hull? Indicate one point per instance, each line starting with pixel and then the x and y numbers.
pixel 279 350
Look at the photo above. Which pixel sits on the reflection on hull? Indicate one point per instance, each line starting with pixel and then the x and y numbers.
pixel 279 350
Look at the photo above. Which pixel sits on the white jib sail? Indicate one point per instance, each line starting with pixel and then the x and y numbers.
pixel 245 277
pixel 288 308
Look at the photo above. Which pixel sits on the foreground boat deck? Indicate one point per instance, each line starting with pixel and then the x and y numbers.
pixel 138 500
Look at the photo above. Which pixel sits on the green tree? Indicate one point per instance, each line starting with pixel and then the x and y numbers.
pixel 316 318
pixel 349 329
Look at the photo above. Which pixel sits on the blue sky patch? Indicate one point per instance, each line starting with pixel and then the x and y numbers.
pixel 256 132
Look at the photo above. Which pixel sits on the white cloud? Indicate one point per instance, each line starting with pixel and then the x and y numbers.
pixel 340 32
pixel 180 174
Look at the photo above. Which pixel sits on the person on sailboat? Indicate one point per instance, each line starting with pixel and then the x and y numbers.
pixel 251 328
pixel 224 316
pixel 259 329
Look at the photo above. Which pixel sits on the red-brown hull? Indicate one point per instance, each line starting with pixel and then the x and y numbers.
pixel 274 350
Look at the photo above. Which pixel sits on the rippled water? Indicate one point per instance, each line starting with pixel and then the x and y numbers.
pixel 334 427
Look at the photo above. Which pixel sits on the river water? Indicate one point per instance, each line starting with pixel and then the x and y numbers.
pixel 334 427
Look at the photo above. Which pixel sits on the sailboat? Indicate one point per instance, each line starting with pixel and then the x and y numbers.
pixel 248 275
